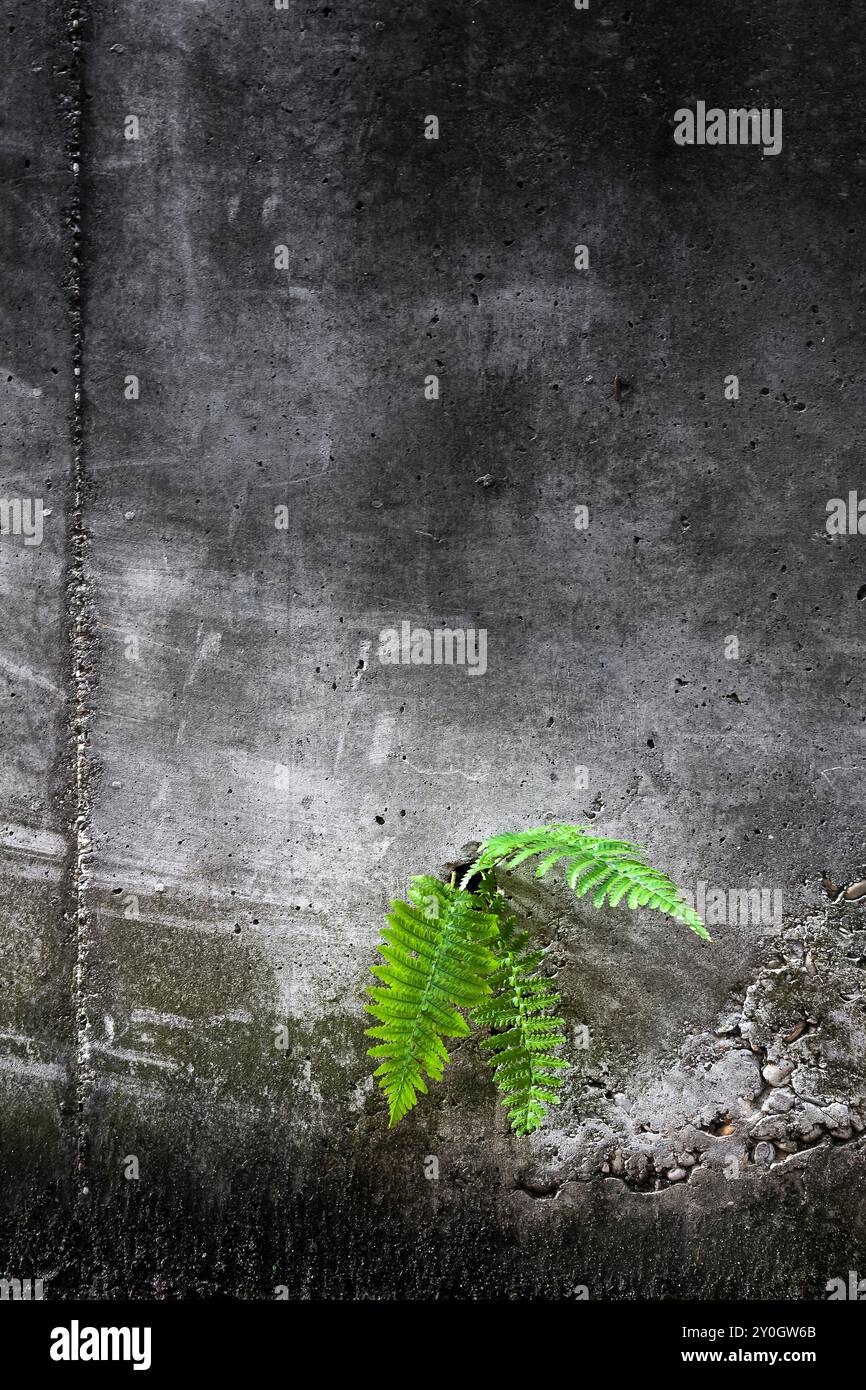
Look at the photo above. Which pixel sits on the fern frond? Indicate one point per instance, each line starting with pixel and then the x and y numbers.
pixel 436 953
pixel 527 1032
pixel 613 869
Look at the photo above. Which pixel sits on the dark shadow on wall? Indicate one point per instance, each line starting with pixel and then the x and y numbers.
pixel 230 1208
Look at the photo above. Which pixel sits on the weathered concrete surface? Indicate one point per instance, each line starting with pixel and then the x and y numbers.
pixel 37 1152
pixel 261 784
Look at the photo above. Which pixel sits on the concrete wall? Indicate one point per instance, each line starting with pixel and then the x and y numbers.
pixel 208 861
pixel 38 1129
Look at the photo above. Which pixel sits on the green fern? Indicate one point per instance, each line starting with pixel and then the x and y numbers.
pixel 613 869
pixel 436 950
pixel 525 1069
pixel 449 948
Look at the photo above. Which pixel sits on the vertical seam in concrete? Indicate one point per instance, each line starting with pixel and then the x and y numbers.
pixel 79 607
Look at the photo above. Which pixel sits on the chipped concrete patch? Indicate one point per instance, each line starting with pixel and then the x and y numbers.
pixel 780 1073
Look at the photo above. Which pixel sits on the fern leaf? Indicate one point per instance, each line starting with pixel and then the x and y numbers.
pixel 613 869
pixel 514 848
pixel 436 956
pixel 522 1047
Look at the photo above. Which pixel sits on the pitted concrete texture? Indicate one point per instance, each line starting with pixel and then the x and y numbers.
pixel 778 1074
pixel 275 263
pixel 37 806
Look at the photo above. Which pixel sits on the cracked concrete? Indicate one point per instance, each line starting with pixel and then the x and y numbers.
pixel 213 785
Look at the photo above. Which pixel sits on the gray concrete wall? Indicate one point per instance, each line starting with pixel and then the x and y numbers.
pixel 38 1129
pixel 212 864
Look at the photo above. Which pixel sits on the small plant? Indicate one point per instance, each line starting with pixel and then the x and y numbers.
pixel 453 954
